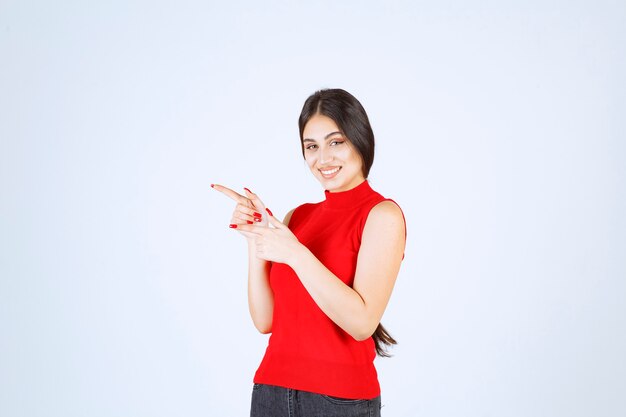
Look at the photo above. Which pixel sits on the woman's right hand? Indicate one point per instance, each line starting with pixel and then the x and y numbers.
pixel 249 209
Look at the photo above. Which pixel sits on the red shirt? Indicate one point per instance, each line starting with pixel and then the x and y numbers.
pixel 307 351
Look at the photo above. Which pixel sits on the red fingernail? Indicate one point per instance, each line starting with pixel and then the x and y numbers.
pixel 212 185
pixel 249 222
pixel 270 212
pixel 247 190
pixel 257 219
pixel 232 226
pixel 257 214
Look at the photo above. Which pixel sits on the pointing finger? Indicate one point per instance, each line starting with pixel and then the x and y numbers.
pixel 230 194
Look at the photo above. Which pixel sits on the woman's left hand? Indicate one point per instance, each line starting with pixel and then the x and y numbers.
pixel 276 244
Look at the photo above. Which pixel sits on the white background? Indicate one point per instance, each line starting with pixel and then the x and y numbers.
pixel 500 131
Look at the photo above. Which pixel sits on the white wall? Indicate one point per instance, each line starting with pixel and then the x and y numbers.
pixel 500 131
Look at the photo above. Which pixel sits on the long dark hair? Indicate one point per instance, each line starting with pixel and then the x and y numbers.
pixel 351 119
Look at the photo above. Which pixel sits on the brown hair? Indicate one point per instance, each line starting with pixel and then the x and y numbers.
pixel 350 116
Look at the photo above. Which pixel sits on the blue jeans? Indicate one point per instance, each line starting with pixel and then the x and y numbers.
pixel 272 401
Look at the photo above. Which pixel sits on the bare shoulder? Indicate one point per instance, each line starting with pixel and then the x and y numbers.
pixel 385 214
pixel 384 232
pixel 288 217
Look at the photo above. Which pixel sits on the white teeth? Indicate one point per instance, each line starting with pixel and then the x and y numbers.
pixel 330 172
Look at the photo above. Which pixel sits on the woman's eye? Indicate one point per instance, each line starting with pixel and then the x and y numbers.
pixel 311 147
pixel 336 142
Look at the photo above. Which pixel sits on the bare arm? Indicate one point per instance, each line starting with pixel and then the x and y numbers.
pixel 260 295
pixel 357 309
pixel 250 210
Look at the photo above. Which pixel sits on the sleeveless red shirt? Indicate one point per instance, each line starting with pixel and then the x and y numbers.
pixel 306 350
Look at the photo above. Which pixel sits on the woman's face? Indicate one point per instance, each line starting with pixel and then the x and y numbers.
pixel 330 156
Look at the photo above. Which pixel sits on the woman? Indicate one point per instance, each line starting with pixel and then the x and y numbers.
pixel 320 281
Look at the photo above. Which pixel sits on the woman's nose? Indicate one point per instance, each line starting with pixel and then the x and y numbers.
pixel 325 156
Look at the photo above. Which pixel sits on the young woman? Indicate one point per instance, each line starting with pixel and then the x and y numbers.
pixel 320 281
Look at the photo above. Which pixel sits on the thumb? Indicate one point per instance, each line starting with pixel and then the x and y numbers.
pixel 274 221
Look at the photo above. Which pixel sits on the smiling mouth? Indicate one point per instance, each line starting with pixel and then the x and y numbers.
pixel 329 173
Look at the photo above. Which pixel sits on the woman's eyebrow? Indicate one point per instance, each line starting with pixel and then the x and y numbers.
pixel 325 137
